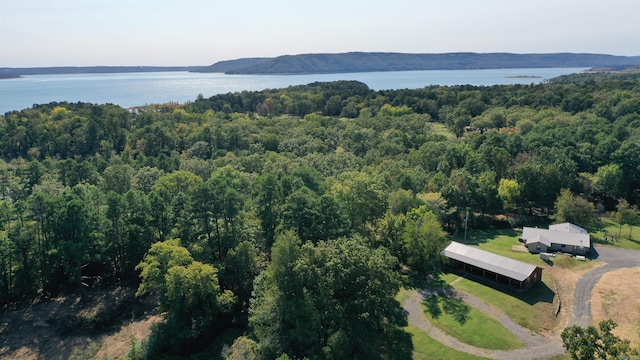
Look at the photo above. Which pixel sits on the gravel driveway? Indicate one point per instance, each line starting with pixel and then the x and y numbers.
pixel 615 258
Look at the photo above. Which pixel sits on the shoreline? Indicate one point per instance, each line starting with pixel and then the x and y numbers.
pixel 523 77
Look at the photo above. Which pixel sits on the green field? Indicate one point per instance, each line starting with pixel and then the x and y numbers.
pixel 468 324
pixel 627 237
pixel 442 129
pixel 531 308
pixel 426 348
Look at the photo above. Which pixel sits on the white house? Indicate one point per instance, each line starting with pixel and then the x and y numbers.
pixel 565 237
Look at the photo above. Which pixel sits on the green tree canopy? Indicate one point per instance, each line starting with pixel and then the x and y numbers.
pixel 596 343
pixel 424 239
pixel 335 299
pixel 573 209
pixel 509 193
pixel 609 180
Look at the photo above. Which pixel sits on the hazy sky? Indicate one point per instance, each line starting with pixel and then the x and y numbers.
pixel 201 32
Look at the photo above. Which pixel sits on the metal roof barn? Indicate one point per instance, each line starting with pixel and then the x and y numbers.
pixel 498 264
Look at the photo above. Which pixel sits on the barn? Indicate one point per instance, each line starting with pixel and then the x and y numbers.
pixel 502 270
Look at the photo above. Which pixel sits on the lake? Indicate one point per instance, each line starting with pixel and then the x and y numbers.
pixel 137 89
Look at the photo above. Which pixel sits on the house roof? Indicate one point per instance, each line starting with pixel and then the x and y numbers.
pixel 556 237
pixel 568 227
pixel 539 239
pixel 489 261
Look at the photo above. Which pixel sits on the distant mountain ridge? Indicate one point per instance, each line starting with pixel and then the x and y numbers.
pixel 382 61
pixel 357 62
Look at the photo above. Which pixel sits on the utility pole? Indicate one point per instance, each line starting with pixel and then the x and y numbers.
pixel 466 221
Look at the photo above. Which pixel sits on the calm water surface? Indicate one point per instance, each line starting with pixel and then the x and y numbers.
pixel 136 89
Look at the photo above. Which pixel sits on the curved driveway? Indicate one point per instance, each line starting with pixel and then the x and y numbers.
pixel 615 258
pixel 535 346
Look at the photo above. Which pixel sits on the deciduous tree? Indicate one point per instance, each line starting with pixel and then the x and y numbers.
pixel 573 209
pixel 596 343
pixel 424 239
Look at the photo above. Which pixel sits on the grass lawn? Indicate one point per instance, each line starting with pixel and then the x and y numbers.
pixel 402 296
pixel 629 236
pixel 469 325
pixel 426 348
pixel 441 129
pixel 531 309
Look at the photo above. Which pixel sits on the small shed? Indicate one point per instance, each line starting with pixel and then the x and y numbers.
pixel 494 267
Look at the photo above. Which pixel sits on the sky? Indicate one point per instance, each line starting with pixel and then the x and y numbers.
pixel 36 33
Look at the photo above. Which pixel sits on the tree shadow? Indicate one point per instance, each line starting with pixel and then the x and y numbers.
pixel 456 308
pixel 432 306
pixel 633 240
pixel 538 293
pixel 398 344
pixel 413 280
pixel 437 305
pixel 476 237
pixel 441 298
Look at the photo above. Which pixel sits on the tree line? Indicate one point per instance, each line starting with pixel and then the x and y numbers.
pixel 281 200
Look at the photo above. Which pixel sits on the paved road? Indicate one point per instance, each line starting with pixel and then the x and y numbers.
pixel 536 346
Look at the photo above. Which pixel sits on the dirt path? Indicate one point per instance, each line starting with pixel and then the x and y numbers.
pixel 536 346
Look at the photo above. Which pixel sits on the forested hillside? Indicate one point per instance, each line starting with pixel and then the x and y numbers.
pixel 377 61
pixel 293 216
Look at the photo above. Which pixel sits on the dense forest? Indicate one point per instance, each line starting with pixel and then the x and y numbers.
pixel 293 216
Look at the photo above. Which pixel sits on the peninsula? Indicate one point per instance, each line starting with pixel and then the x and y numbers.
pixel 381 61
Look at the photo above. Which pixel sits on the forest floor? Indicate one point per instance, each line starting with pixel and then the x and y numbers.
pixel 101 324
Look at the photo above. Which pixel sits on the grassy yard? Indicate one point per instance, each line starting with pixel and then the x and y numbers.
pixel 468 324
pixel 629 237
pixel 532 309
pixel 426 348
